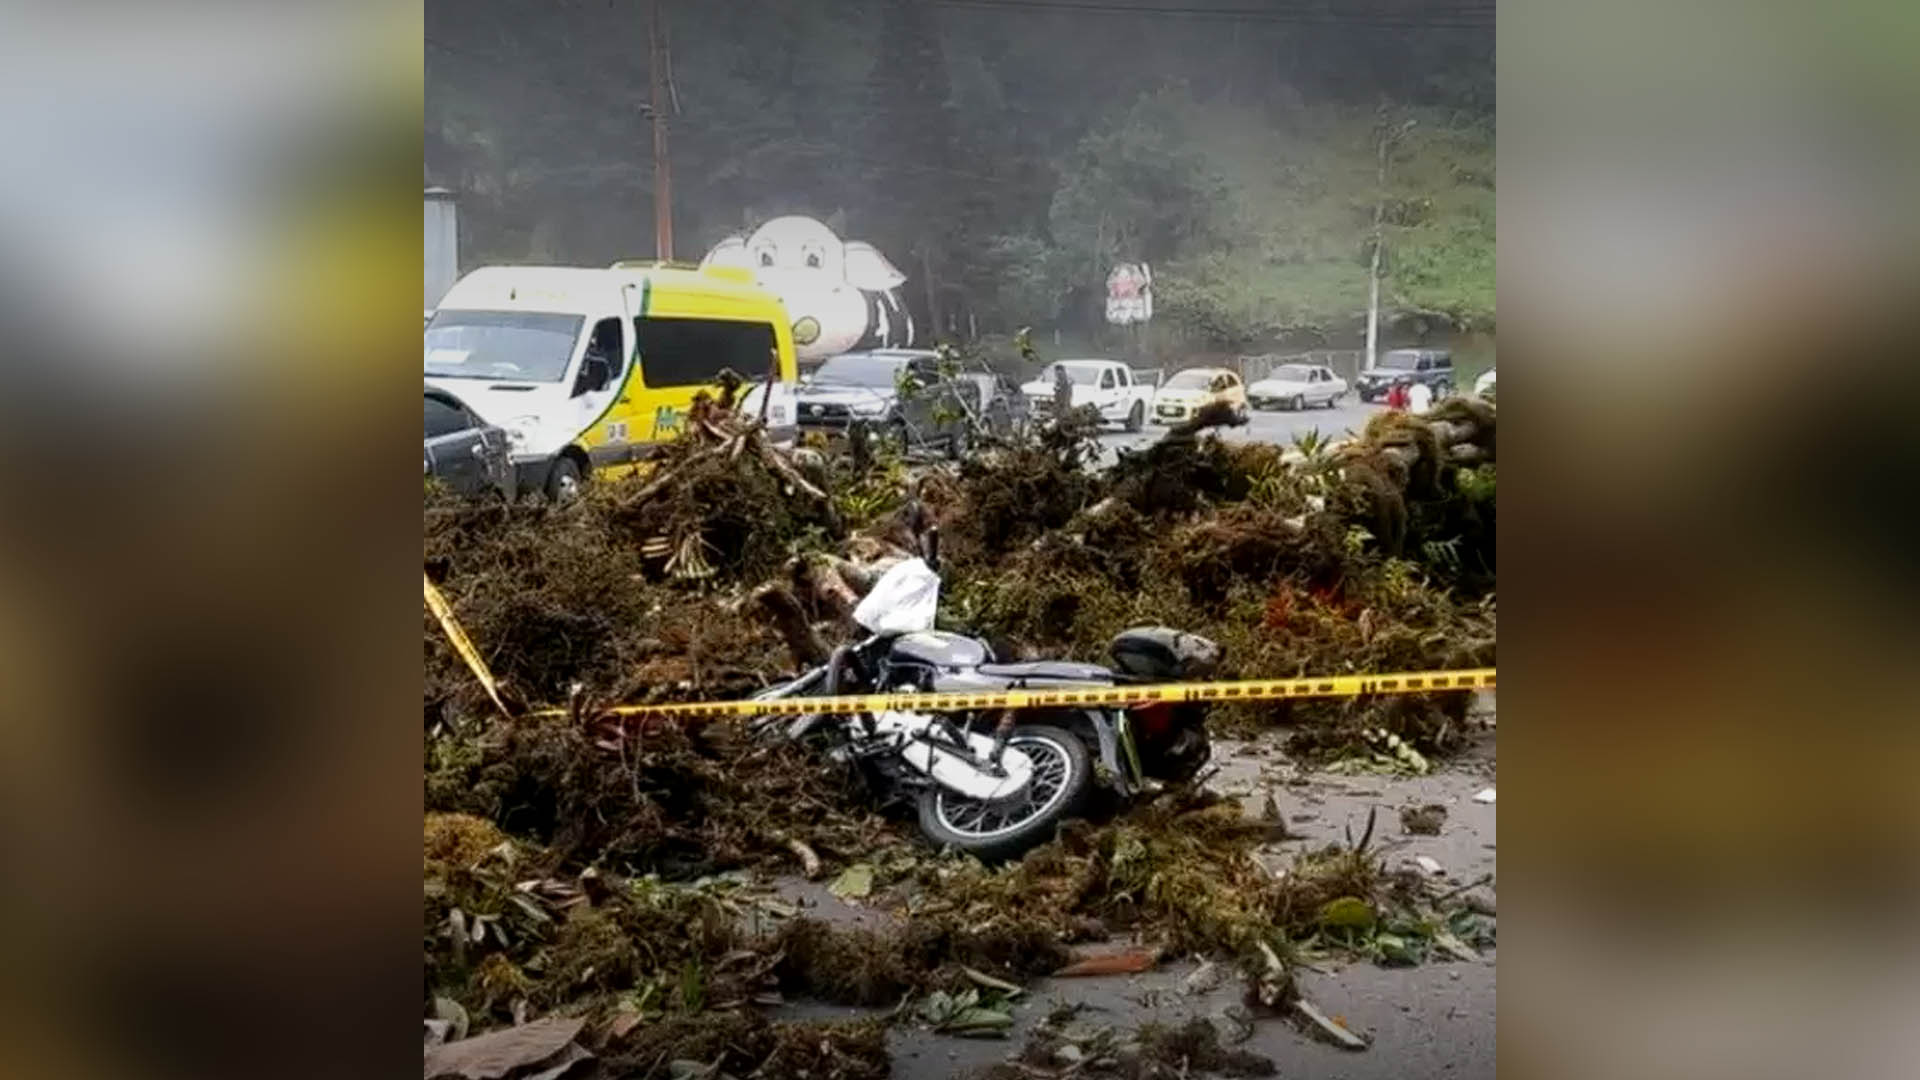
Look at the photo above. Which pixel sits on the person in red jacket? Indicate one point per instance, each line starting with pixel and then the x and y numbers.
pixel 1397 395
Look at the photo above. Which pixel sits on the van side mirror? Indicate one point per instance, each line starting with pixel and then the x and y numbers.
pixel 595 373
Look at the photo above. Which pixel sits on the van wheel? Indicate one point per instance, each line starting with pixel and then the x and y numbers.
pixel 564 480
pixel 1136 416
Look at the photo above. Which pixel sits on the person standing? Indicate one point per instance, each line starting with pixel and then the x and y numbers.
pixel 1397 395
pixel 1419 398
pixel 1062 392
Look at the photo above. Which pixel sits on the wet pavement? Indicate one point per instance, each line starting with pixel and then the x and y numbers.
pixel 1431 1020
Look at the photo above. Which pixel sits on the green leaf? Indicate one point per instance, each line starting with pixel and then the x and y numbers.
pixel 1395 949
pixel 1453 946
pixel 1348 912
pixel 978 1023
pixel 854 882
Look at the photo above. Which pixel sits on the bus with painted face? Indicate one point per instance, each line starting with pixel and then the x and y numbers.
pixel 589 370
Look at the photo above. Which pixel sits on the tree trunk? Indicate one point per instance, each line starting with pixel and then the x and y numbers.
pixel 783 610
pixel 936 312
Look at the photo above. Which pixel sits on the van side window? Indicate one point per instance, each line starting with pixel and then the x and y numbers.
pixel 444 419
pixel 1125 376
pixel 692 352
pixel 1106 379
pixel 605 344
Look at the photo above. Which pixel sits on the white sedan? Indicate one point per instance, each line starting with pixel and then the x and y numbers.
pixel 1296 386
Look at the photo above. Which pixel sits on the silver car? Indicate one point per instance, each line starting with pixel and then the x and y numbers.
pixel 464 452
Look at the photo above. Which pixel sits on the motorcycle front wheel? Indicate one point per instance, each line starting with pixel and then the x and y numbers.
pixel 1008 828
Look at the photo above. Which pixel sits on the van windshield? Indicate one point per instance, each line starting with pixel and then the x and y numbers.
pixel 1080 374
pixel 1400 361
pixel 859 369
pixel 523 346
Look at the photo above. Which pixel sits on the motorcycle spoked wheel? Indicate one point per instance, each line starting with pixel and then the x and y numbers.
pixel 1008 828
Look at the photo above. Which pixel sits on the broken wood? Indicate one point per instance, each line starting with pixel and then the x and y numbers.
pixel 818 579
pixel 809 862
pixel 1127 961
pixel 786 471
pixel 783 610
pixel 1338 1033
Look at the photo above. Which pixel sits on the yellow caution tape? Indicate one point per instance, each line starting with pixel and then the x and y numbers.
pixel 458 638
pixel 1124 695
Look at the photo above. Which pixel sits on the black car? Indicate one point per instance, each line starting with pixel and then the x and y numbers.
pixel 898 393
pixel 1431 366
pixel 464 452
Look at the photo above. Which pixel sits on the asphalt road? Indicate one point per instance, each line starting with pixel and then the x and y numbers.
pixel 1435 1020
pixel 1270 427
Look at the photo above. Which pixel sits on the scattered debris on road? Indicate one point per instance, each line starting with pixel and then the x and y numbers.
pixel 1423 820
pixel 612 872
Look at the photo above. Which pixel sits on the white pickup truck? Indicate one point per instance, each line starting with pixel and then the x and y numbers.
pixel 1107 385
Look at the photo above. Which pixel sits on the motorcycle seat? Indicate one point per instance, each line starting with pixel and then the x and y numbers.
pixel 1048 670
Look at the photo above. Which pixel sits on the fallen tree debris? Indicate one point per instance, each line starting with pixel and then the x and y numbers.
pixel 589 864
pixel 542 1045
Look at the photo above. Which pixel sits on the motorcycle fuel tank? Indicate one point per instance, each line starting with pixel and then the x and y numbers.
pixel 940 649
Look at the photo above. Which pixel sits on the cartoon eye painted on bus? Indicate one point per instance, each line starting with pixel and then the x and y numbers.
pixel 840 295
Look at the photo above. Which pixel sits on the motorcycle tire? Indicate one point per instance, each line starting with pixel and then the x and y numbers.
pixel 939 807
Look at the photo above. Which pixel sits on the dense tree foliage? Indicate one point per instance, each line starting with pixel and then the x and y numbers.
pixel 1004 153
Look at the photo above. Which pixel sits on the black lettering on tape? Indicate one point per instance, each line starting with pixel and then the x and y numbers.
pixel 1324 688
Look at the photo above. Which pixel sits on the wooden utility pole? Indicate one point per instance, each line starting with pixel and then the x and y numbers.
pixel 662 167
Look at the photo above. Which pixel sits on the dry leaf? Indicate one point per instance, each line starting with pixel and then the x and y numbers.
pixel 1121 962
pixel 496 1054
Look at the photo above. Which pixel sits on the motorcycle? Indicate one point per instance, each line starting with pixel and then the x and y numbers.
pixel 993 782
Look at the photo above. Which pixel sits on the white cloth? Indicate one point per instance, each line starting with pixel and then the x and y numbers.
pixel 903 601
pixel 1419 398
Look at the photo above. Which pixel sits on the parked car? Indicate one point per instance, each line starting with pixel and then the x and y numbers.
pixel 464 452
pixel 1431 366
pixel 1005 408
pixel 1483 385
pixel 1296 386
pixel 1107 385
pixel 866 388
pixel 1191 390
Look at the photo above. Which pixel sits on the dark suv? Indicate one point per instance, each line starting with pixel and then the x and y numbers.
pixel 1431 366
pixel 898 393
